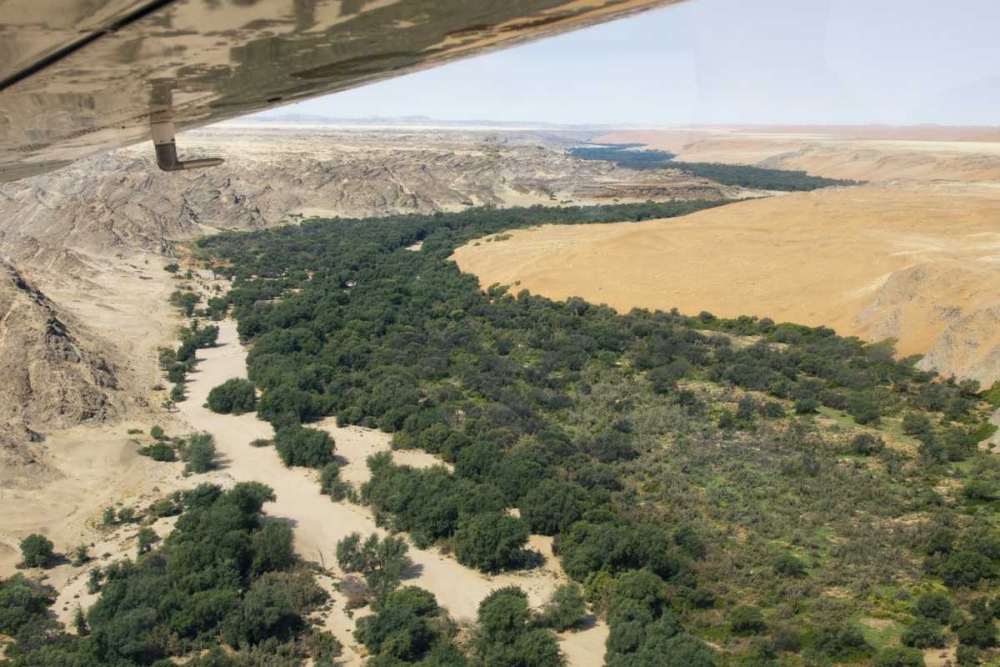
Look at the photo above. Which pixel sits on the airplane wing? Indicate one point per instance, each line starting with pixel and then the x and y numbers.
pixel 78 77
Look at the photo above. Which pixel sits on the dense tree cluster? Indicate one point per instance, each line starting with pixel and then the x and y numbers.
pixel 224 574
pixel 641 441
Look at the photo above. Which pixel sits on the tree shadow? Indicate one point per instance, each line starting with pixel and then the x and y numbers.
pixel 413 572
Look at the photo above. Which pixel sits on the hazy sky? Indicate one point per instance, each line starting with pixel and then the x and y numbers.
pixel 725 61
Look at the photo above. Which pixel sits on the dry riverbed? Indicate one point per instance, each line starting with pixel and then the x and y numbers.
pixel 320 523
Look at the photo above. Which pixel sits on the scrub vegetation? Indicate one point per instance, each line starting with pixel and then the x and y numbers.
pixel 768 487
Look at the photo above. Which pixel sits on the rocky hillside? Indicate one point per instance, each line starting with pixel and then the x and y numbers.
pixel 56 374
pixel 94 235
pixel 119 202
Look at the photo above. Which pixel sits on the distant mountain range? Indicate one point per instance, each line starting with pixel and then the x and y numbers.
pixel 317 119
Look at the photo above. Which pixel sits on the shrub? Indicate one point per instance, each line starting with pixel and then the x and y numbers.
pixel 307 447
pixel 899 657
pixel 923 633
pixel 491 542
pixel 788 565
pixel 806 406
pixel 746 620
pixel 234 396
pixel 915 423
pixel 934 605
pixel 36 551
pixel 866 444
pixel 840 642
pixel 565 609
pixel 159 451
pixel 200 453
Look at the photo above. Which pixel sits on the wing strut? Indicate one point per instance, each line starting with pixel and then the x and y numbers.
pixel 161 124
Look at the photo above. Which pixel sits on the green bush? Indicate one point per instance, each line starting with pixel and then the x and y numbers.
pixel 307 447
pixel 746 620
pixel 899 657
pixel 36 551
pixel 565 609
pixel 923 633
pixel 199 453
pixel 491 542
pixel 234 396
pixel 159 451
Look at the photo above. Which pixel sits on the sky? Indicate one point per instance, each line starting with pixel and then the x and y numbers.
pixel 897 62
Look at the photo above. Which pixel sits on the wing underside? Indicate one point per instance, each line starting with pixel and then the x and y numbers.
pixel 83 76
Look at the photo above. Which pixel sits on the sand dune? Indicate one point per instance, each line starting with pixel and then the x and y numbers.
pixel 919 264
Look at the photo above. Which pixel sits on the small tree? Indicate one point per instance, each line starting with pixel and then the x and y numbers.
pixel 565 609
pixel 200 453
pixel 81 555
pixel 145 539
pixel 36 551
pixel 126 515
pixel 381 562
pixel 899 657
pixel 108 517
pixel 491 541
pixel 80 621
pixel 234 396
pixel 94 581
pixel 746 620
pixel 867 444
pixel 156 433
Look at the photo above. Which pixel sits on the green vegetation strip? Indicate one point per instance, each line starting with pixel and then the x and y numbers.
pixel 744 176
pixel 676 461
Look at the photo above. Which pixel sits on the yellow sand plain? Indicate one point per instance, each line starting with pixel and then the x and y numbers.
pixel 919 263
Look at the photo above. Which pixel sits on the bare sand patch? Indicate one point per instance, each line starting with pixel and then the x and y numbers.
pixel 915 263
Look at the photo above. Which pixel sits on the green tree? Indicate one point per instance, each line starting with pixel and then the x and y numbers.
pixel 552 506
pixel 36 551
pixel 935 605
pixel 491 542
pixel 565 609
pixel 145 539
pixel 200 453
pixel 81 555
pixel 504 636
pixel 899 657
pixel 234 396
pixel 746 620
pixel 382 562
pixel 307 447
pixel 80 621
pixel 923 633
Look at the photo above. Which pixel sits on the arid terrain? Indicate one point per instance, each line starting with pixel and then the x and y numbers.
pixel 84 308
pixel 84 297
pixel 910 255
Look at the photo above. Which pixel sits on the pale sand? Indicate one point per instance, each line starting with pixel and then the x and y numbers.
pixel 319 523
pixel 868 154
pixel 920 264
